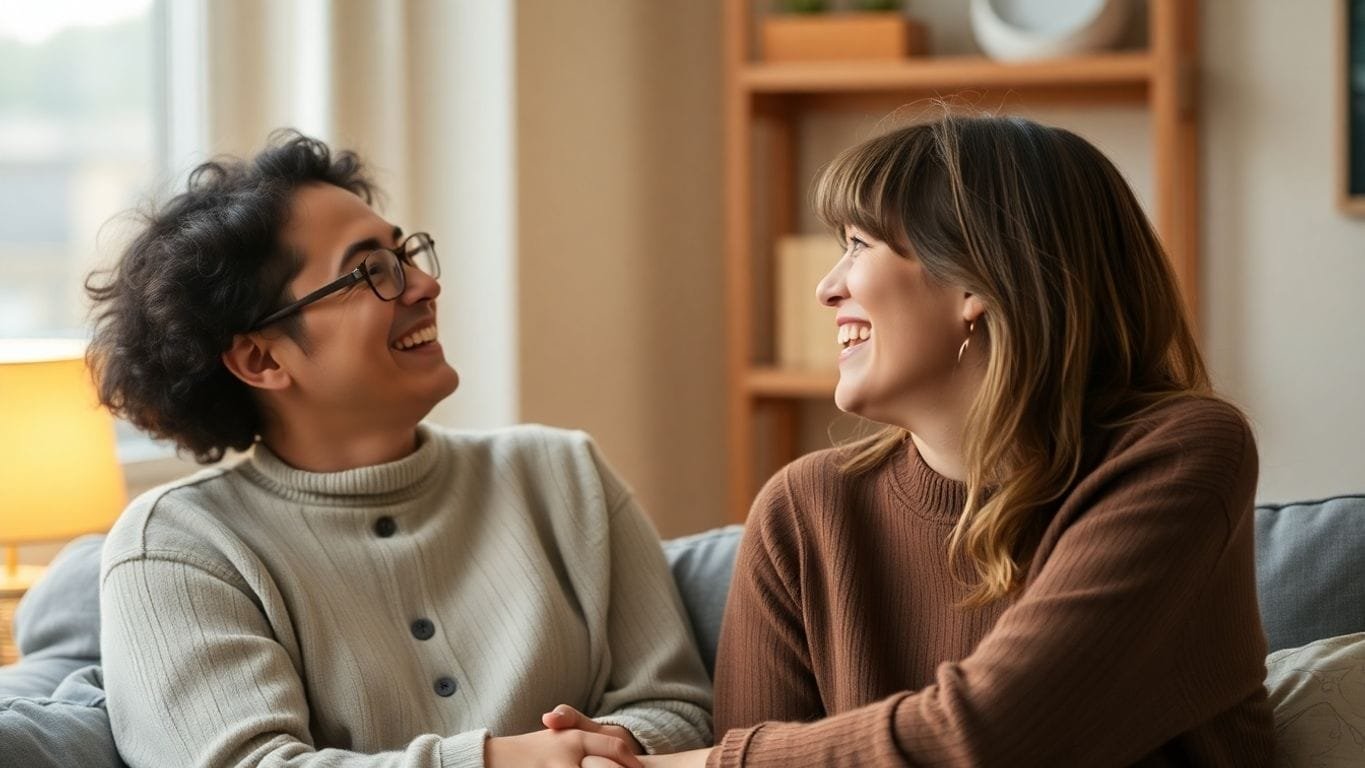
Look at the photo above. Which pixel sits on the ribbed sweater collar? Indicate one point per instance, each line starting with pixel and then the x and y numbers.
pixel 378 485
pixel 927 493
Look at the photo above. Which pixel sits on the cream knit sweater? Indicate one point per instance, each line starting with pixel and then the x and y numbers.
pixel 392 615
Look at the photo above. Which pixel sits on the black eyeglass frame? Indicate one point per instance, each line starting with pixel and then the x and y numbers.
pixel 357 275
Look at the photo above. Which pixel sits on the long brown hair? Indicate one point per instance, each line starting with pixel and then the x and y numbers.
pixel 1084 324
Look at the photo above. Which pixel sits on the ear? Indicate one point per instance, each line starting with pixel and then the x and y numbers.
pixel 972 308
pixel 249 359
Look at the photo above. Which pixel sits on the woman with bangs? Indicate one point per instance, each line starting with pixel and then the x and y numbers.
pixel 1046 557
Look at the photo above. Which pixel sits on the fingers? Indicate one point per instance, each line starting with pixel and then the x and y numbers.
pixel 565 717
pixel 593 761
pixel 625 735
pixel 612 748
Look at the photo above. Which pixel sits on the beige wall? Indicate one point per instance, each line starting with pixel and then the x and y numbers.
pixel 1284 270
pixel 618 226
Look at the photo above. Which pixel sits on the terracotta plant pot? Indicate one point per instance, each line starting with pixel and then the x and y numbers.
pixel 864 36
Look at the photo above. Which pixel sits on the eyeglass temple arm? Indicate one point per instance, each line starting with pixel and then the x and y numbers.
pixel 356 275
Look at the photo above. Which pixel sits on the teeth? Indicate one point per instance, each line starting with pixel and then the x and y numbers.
pixel 853 332
pixel 421 336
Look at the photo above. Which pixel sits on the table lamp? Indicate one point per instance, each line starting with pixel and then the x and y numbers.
pixel 59 473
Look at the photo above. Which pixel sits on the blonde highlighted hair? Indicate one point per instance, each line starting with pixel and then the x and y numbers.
pixel 1084 326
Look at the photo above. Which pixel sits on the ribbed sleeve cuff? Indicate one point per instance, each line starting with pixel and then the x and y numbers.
pixel 855 738
pixel 730 752
pixel 464 750
pixel 659 732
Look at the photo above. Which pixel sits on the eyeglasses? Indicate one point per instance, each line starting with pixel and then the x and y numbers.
pixel 383 269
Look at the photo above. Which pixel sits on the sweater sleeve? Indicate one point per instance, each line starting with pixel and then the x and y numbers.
pixel 763 663
pixel 657 688
pixel 1084 669
pixel 195 677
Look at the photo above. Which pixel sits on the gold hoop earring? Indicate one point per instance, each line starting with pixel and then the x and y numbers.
pixel 962 349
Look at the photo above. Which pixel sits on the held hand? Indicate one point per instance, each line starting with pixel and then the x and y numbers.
pixel 565 717
pixel 694 759
pixel 559 749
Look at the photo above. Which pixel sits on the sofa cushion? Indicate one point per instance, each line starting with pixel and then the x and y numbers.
pixel 1318 692
pixel 702 565
pixel 70 727
pixel 1308 569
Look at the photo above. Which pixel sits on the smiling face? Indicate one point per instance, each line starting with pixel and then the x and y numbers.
pixel 364 362
pixel 899 330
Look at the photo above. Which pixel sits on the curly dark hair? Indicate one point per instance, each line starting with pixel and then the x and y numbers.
pixel 203 268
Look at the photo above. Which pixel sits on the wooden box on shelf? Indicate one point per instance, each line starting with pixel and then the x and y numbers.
pixel 870 36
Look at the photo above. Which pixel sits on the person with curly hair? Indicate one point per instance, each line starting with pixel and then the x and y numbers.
pixel 362 588
pixel 1045 558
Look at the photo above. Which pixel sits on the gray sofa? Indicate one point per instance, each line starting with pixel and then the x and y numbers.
pixel 1310 574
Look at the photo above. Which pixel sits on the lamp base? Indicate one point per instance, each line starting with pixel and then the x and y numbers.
pixel 13 585
pixel 9 652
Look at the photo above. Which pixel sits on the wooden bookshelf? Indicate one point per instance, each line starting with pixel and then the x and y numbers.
pixel 774 97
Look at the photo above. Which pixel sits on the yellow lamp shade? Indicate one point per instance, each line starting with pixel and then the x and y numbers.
pixel 59 473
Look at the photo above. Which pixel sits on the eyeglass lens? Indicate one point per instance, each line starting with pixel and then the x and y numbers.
pixel 385 270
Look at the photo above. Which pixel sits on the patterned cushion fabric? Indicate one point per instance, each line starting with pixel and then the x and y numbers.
pixel 1318 692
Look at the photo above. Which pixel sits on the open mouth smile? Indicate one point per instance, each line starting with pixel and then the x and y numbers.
pixel 421 337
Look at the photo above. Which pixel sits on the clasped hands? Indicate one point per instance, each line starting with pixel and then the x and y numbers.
pixel 574 740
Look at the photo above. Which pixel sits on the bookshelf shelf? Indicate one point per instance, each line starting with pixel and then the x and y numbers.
pixel 947 74
pixel 768 381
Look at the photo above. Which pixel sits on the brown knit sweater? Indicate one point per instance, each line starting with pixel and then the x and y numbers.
pixel 1136 638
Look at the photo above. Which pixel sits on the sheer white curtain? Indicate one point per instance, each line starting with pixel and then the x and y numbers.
pixel 423 89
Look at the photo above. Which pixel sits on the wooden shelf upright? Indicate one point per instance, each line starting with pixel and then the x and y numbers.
pixel 1163 77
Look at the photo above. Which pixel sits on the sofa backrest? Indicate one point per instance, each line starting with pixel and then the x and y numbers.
pixel 702 566
pixel 1310 569
pixel 1310 573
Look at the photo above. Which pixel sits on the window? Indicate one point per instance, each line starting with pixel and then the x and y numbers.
pixel 77 147
pixel 80 127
